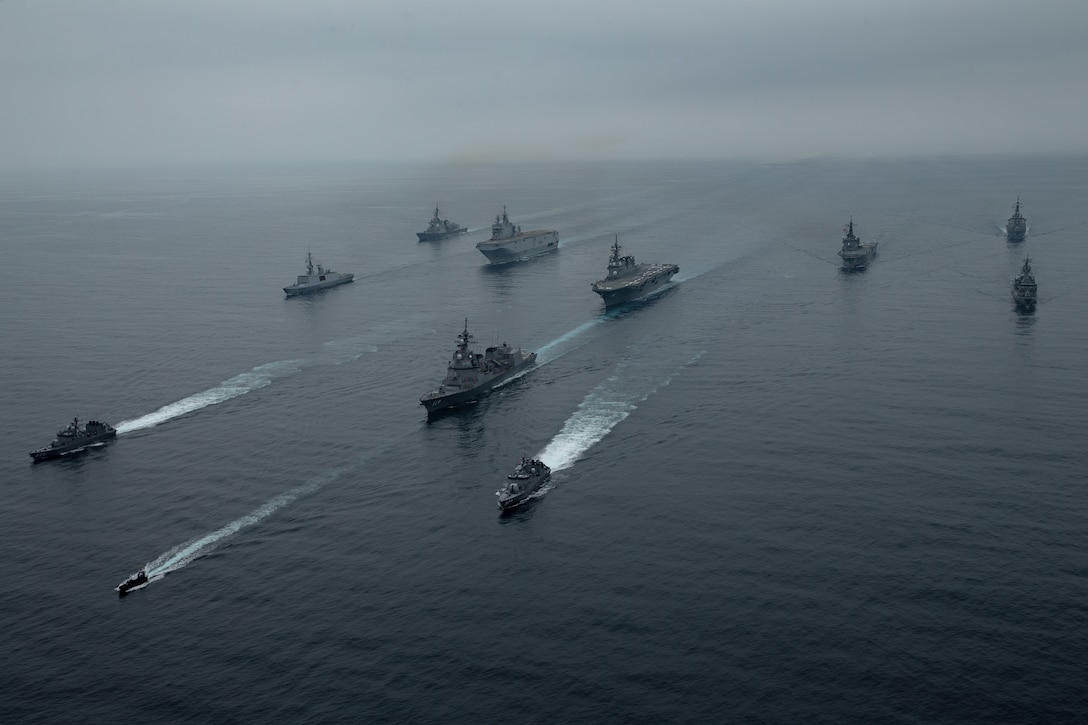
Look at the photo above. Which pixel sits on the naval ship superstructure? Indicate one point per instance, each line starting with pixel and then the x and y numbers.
pixel 73 438
pixel 855 254
pixel 628 280
pixel 527 478
pixel 509 244
pixel 471 375
pixel 440 228
pixel 316 278
pixel 1024 290
pixel 1017 227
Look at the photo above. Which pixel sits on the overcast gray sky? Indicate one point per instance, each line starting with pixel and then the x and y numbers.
pixel 88 82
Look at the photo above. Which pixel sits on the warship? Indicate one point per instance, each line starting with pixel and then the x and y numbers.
pixel 1017 226
pixel 527 478
pixel 627 280
pixel 1024 289
pixel 471 374
pixel 74 438
pixel 440 228
pixel 136 581
pixel 316 278
pixel 855 254
pixel 509 244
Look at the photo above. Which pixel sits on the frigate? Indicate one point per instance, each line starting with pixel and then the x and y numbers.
pixel 1024 290
pixel 855 254
pixel 316 278
pixel 1017 227
pixel 527 478
pixel 628 280
pixel 75 437
pixel 509 244
pixel 471 374
pixel 440 228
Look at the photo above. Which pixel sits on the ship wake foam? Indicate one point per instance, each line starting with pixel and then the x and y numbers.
pixel 604 408
pixel 335 352
pixel 183 554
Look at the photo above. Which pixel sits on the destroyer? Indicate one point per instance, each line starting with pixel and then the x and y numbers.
pixel 509 244
pixel 471 374
pixel 526 480
pixel 628 281
pixel 136 581
pixel 1024 289
pixel 316 278
pixel 440 228
pixel 73 438
pixel 1017 226
pixel 855 254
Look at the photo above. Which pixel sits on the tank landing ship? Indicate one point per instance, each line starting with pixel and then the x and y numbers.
pixel 1017 227
pixel 74 438
pixel 628 281
pixel 440 228
pixel 526 480
pixel 471 375
pixel 509 244
pixel 855 254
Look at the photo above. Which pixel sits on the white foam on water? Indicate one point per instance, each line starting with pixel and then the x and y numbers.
pixel 183 554
pixel 602 410
pixel 256 378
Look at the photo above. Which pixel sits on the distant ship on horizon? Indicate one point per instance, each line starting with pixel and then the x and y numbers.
pixel 855 254
pixel 1016 228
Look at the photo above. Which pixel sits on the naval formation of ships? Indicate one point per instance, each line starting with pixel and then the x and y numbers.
pixel 471 374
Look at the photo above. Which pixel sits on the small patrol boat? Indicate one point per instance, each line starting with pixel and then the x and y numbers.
pixel 527 478
pixel 471 374
pixel 855 254
pixel 440 228
pixel 316 278
pixel 1017 227
pixel 73 438
pixel 509 244
pixel 136 581
pixel 1024 290
pixel 627 280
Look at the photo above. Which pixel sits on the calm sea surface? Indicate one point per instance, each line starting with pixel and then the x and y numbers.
pixel 781 493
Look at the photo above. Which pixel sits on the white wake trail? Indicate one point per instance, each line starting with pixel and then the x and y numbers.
pixel 182 554
pixel 256 378
pixel 603 409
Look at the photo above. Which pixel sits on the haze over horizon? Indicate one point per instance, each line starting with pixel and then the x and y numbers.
pixel 120 82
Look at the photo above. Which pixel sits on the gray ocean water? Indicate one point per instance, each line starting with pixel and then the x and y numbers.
pixel 781 493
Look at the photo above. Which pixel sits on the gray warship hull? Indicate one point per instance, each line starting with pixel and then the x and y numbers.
pixel 526 480
pixel 102 432
pixel 304 289
pixel 858 261
pixel 1016 230
pixel 649 279
pixel 439 236
pixel 436 401
pixel 522 246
